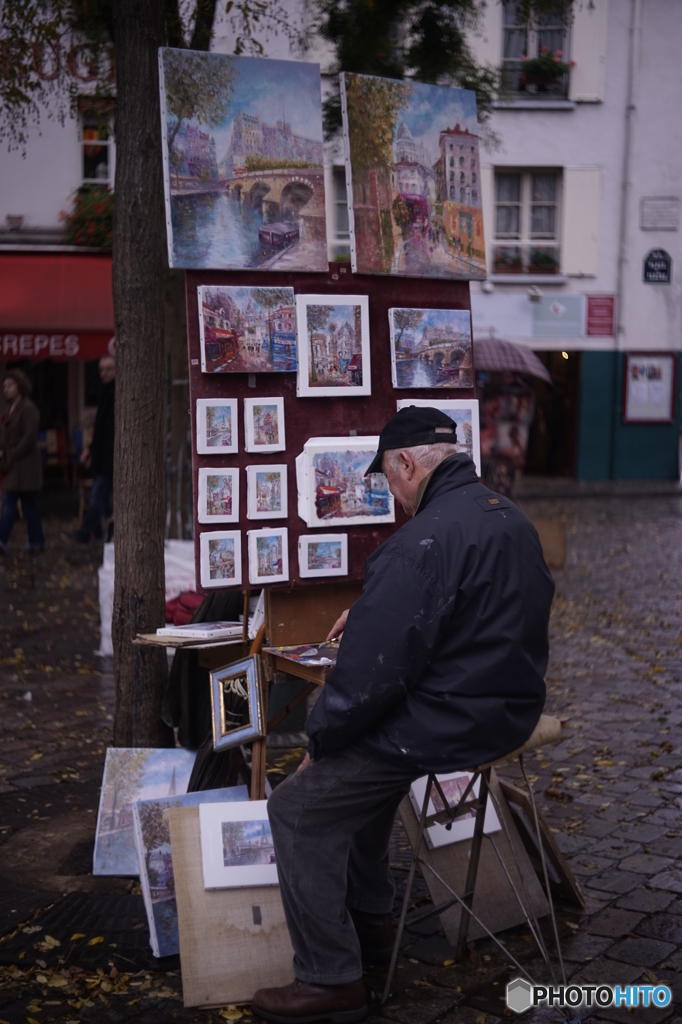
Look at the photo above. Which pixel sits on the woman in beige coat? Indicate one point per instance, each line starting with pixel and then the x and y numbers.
pixel 20 461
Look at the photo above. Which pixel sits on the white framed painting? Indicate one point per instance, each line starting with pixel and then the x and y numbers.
pixel 220 556
pixel 431 348
pixel 322 554
pixel 218 495
pixel 333 346
pixel 217 426
pixel 464 412
pixel 333 488
pixel 454 785
pixel 268 555
pixel 266 492
pixel 237 848
pixel 264 425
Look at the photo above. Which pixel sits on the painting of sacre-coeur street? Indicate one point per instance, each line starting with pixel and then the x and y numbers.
pixel 243 175
pixel 431 348
pixel 247 330
pixel 414 178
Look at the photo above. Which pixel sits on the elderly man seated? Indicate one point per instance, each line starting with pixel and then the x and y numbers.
pixel 441 668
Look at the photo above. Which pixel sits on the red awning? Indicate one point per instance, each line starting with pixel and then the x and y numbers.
pixel 55 306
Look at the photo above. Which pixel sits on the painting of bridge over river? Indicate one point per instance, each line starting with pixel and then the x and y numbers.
pixel 431 348
pixel 243 175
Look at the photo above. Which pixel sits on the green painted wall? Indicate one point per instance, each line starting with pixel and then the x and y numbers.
pixel 607 448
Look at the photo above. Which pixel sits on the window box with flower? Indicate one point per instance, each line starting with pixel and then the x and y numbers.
pixel 90 222
pixel 548 69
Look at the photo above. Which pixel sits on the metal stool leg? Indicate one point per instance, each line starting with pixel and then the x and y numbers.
pixel 474 858
pixel 408 888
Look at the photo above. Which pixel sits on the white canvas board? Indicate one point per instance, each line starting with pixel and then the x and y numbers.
pixel 220 553
pixel 338 491
pixel 155 862
pixel 333 346
pixel 264 425
pixel 218 495
pixel 322 554
pixel 217 426
pixel 266 492
pixel 302 502
pixel 130 774
pixel 464 412
pixel 268 555
pixel 454 785
pixel 236 845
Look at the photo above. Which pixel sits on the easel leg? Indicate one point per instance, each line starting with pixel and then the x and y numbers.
pixel 408 890
pixel 474 858
pixel 259 751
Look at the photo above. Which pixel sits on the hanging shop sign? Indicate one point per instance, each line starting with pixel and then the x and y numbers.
pixel 657 267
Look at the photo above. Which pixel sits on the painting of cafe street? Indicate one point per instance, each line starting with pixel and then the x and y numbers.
pixel 415 178
pixel 247 330
pixel 243 162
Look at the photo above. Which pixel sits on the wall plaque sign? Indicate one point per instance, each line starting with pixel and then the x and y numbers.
pixel 657 267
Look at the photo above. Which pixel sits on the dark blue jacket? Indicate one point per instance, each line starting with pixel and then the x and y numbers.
pixel 442 661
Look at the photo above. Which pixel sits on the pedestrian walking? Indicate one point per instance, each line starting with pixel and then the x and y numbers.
pixel 99 458
pixel 20 461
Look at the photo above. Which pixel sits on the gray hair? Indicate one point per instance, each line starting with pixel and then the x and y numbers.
pixel 427 455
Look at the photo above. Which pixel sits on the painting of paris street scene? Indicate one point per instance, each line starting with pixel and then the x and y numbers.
pixel 267 492
pixel 343 492
pixel 218 495
pixel 323 555
pixel 220 558
pixel 431 348
pixel 333 346
pixel 412 150
pixel 130 775
pixel 269 555
pixel 246 843
pixel 217 428
pixel 243 176
pixel 247 330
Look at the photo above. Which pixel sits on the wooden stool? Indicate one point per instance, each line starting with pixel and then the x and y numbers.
pixel 547 732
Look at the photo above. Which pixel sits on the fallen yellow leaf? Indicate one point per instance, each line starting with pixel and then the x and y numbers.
pixel 231 1013
pixel 58 982
pixel 105 986
pixel 33 1008
pixel 49 941
pixel 41 979
pixel 32 1020
pixel 447 963
pixel 96 941
pixel 76 936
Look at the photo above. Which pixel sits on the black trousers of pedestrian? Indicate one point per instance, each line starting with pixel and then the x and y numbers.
pixel 331 824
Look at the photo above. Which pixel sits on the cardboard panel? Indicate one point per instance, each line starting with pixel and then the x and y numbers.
pixel 314 417
pixel 494 900
pixel 232 941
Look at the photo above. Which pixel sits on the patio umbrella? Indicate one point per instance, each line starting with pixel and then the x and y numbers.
pixel 497 354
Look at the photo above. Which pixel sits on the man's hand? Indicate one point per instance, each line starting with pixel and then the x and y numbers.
pixel 85 457
pixel 339 626
pixel 307 760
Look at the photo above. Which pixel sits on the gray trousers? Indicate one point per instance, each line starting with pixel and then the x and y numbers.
pixel 331 824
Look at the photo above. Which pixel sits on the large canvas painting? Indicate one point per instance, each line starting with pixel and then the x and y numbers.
pixel 464 412
pixel 247 330
pixel 333 488
pixel 431 348
pixel 333 346
pixel 133 774
pixel 414 178
pixel 155 861
pixel 242 149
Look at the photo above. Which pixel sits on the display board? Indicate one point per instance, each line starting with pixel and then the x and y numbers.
pixel 307 417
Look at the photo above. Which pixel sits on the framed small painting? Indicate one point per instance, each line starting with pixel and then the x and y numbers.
pixel 464 412
pixel 649 387
pixel 268 555
pixel 217 427
pixel 454 786
pixel 237 849
pixel 264 425
pixel 236 704
pixel 247 330
pixel 332 486
pixel 333 346
pixel 221 558
pixel 322 554
pixel 266 492
pixel 431 348
pixel 218 495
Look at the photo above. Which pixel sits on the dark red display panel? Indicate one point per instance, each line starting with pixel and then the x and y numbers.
pixel 313 417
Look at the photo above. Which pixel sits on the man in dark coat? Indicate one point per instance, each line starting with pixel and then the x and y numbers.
pixel 20 461
pixel 99 457
pixel 441 668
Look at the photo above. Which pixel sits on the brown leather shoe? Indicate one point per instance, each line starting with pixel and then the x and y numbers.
pixel 303 1003
pixel 376 934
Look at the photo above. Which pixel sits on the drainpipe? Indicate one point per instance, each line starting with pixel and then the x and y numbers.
pixel 626 186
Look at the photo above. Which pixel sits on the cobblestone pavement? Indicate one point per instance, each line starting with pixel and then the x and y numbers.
pixel 614 781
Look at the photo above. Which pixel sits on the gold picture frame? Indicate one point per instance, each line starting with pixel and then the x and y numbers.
pixel 237 703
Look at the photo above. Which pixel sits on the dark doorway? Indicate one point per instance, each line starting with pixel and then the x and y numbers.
pixel 552 438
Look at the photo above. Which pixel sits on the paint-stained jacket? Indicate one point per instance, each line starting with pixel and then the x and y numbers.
pixel 442 661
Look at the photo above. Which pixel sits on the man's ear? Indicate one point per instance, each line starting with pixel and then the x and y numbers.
pixel 408 464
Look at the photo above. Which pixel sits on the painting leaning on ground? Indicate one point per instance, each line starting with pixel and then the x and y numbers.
pixel 415 178
pixel 243 173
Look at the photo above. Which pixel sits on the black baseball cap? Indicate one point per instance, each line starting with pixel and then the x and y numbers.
pixel 413 426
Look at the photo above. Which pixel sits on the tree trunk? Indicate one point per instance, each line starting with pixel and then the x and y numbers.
pixel 139 486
